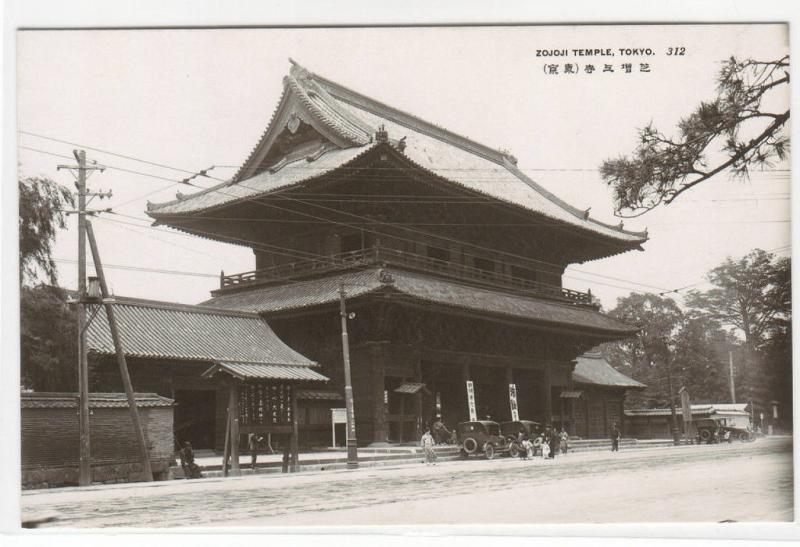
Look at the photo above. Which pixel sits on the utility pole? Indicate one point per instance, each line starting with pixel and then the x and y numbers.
pixel 675 432
pixel 147 473
pixel 352 447
pixel 85 469
pixel 733 387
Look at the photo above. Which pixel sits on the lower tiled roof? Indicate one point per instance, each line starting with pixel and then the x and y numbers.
pixel 264 371
pixel 177 331
pixel 305 294
pixel 96 400
pixel 593 369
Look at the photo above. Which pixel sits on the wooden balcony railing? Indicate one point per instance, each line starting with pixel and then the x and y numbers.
pixel 410 261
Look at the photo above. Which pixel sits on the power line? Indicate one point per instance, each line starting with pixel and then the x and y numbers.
pixel 329 221
pixel 144 269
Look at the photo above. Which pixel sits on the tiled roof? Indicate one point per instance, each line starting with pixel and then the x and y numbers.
pixel 96 400
pixel 264 371
pixel 306 294
pixel 319 395
pixel 701 409
pixel 593 369
pixel 346 113
pixel 177 331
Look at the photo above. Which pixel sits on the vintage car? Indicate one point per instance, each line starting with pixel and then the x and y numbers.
pixel 482 437
pixel 511 432
pixel 711 430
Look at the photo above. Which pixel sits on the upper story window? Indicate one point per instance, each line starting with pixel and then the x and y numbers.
pixel 351 242
pixel 519 272
pixel 484 264
pixel 437 253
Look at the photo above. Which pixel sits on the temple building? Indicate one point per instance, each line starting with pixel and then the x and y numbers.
pixel 449 257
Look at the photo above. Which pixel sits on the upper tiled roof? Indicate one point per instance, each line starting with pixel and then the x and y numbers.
pixel 346 117
pixel 96 400
pixel 593 369
pixel 311 293
pixel 177 331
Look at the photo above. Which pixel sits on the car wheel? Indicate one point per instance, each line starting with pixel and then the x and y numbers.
pixel 470 445
pixel 513 450
pixel 705 434
pixel 744 437
pixel 488 449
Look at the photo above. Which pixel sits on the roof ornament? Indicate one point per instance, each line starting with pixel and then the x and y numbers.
pixel 381 135
pixel 586 214
pixel 385 277
pixel 508 155
pixel 179 196
pixel 621 225
pixel 401 144
pixel 293 123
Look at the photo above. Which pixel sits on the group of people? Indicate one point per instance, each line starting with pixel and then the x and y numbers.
pixel 546 443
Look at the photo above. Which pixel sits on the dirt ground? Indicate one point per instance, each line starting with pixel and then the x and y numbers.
pixel 739 482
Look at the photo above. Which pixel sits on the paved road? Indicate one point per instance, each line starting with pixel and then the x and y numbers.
pixel 741 482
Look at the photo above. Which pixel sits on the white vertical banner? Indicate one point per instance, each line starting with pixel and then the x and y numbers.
pixel 438 404
pixel 512 400
pixel 473 414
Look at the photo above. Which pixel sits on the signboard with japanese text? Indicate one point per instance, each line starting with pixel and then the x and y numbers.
pixel 473 413
pixel 512 400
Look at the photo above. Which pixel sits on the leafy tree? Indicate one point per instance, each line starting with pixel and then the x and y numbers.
pixel 49 349
pixel 646 356
pixel 733 128
pixel 48 337
pixel 41 214
pixel 751 294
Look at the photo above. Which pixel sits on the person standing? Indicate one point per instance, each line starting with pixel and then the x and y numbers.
pixel 252 446
pixel 554 441
pixel 564 439
pixel 615 437
pixel 427 446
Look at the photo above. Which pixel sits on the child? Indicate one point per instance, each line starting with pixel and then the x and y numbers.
pixel 545 450
pixel 527 445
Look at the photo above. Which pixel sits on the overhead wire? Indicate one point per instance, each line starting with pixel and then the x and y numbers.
pixel 309 202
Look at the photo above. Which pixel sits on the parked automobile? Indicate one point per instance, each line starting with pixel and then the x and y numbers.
pixel 712 431
pixel 511 432
pixel 482 437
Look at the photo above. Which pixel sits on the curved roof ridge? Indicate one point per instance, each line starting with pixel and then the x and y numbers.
pixel 407 119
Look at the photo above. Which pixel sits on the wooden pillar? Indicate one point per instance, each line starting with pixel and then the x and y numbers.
pixel 227 443
pixel 548 403
pixel 294 439
pixel 418 378
pixel 233 412
pixel 465 377
pixel 380 431
pixel 509 376
pixel 402 423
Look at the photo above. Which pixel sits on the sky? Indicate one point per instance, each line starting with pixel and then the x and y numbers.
pixel 189 99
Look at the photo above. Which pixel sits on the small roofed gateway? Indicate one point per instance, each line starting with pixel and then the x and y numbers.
pixel 597 399
pixel 656 423
pixel 449 256
pixel 209 361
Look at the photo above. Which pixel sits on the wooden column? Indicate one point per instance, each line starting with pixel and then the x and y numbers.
pixel 380 431
pixel 233 410
pixel 227 443
pixel 548 403
pixel 418 378
pixel 294 439
pixel 465 377
pixel 402 423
